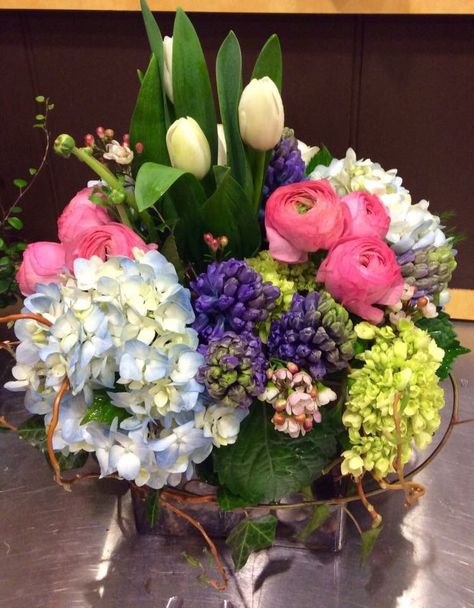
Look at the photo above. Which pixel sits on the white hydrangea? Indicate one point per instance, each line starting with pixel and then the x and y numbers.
pixel 410 225
pixel 221 423
pixel 122 325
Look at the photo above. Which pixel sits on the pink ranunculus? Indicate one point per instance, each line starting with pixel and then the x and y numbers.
pixel 361 272
pixel 81 214
pixel 42 263
pixel 104 241
pixel 369 216
pixel 303 217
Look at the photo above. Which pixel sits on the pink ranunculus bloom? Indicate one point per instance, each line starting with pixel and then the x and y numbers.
pixel 42 263
pixel 81 214
pixel 303 217
pixel 369 216
pixel 104 241
pixel 361 272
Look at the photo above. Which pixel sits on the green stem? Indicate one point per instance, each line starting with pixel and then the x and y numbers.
pixel 258 177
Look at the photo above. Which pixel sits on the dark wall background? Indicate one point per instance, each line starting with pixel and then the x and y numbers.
pixel 400 90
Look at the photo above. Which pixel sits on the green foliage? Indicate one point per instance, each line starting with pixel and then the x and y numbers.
pixel 441 329
pixel 20 182
pixel 71 461
pixel 269 62
pixel 319 516
pixel 369 538
pixel 103 410
pixel 229 89
pixel 264 465
pixel 152 507
pixel 323 157
pixel 228 501
pixel 148 121
pixel 192 90
pixel 251 535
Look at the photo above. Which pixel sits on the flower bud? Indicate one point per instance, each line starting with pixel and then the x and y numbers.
pixel 89 140
pixel 188 147
pixel 100 132
pixel 278 419
pixel 292 367
pixel 126 139
pixel 109 133
pixel 168 66
pixel 64 145
pixel 261 114
pixel 139 147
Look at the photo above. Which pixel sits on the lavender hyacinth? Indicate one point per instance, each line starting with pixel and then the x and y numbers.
pixel 286 165
pixel 230 296
pixel 234 370
pixel 316 334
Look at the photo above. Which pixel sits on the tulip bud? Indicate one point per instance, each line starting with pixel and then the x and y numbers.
pixel 261 114
pixel 168 66
pixel 188 147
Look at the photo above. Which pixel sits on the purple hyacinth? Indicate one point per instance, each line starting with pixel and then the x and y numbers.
pixel 230 296
pixel 234 369
pixel 316 334
pixel 286 165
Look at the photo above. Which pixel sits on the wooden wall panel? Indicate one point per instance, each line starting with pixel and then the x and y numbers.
pixel 417 90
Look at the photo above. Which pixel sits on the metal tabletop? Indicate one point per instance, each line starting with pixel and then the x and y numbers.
pixel 79 549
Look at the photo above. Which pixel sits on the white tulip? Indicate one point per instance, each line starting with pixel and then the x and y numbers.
pixel 188 147
pixel 222 146
pixel 168 66
pixel 261 114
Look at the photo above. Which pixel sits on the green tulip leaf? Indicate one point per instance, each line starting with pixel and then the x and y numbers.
pixel 192 90
pixel 269 62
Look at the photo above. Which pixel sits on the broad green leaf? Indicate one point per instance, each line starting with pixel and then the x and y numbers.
pixel 148 122
pixel 192 90
pixel 156 44
pixel 170 250
pixel 229 89
pixel 442 331
pixel 32 430
pixel 228 501
pixel 228 213
pixel 20 183
pixel 71 461
pixel 269 62
pixel 5 285
pixel 368 538
pixel 154 181
pixel 152 507
pixel 15 222
pixel 322 157
pixel 319 516
pixel 264 465
pixel 251 535
pixel 103 410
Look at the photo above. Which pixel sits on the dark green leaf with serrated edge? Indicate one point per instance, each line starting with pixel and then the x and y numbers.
pixel 32 430
pixel 269 62
pixel 322 157
pixel 229 89
pixel 147 125
pixel 103 410
pixel 251 535
pixel 71 461
pixel 368 539
pixel 264 465
pixel 192 90
pixel 152 507
pixel 319 516
pixel 442 331
pixel 228 501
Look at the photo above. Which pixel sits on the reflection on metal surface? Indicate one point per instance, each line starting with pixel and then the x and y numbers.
pixel 67 550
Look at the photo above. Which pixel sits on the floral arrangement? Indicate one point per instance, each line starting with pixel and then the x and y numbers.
pixel 229 303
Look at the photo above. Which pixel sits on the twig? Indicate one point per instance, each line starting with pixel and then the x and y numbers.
pixel 8 425
pixel 26 315
pixel 354 520
pixel 216 584
pixel 376 517
pixel 52 427
pixel 188 498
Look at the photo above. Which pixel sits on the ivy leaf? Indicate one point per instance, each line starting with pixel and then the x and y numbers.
pixel 264 465
pixel 442 331
pixel 323 157
pixel 228 501
pixel 32 430
pixel 103 410
pixel 71 461
pixel 251 535
pixel 319 516
pixel 368 538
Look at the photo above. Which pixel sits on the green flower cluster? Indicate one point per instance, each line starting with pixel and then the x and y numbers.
pixel 289 278
pixel 397 383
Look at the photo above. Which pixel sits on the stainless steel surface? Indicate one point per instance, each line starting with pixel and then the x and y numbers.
pixel 79 549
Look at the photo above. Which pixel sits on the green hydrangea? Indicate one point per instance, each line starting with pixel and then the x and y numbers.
pixel 290 278
pixel 401 362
